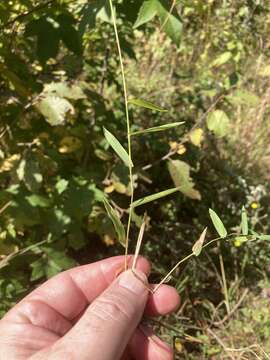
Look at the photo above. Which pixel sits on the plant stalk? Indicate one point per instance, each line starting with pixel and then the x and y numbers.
pixel 128 129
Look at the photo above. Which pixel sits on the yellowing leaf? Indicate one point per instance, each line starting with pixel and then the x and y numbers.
pixel 180 173
pixel 109 189
pixel 181 149
pixel 196 137
pixel 265 71
pixel 197 247
pixel 222 59
pixel 108 240
pixel 69 144
pixel 219 123
pixel 120 188
pixel 9 163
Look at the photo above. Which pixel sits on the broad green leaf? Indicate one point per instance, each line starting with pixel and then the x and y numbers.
pixel 154 197
pixel 218 224
pixel 29 172
pixel 64 90
pixel 38 201
pixel 118 148
pixel 119 227
pixel 243 97
pixel 222 59
pixel 61 186
pixel 244 222
pixel 158 128
pixel 180 173
pixel 219 123
pixel 197 247
pixel 55 109
pixel 147 12
pixel 170 21
pixel 146 104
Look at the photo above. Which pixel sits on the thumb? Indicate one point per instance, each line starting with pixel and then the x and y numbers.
pixel 106 327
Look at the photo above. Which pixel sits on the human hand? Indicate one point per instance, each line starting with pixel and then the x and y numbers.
pixel 88 313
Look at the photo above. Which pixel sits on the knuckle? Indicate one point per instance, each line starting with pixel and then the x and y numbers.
pixel 112 308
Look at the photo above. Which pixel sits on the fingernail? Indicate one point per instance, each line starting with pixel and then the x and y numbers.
pixel 135 282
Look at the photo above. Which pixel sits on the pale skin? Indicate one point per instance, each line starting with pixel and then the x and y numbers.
pixel 89 312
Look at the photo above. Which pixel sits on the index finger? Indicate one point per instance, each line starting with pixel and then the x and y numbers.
pixel 70 292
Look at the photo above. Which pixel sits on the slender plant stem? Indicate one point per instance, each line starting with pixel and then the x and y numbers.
pixel 128 128
pixel 187 258
pixel 224 282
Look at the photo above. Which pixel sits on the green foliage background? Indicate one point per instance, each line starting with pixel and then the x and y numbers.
pixel 207 62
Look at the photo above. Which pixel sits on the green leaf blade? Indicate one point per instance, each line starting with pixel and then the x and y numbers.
pixel 118 148
pixel 118 226
pixel 154 197
pixel 218 224
pixel 147 12
pixel 157 128
pixel 146 104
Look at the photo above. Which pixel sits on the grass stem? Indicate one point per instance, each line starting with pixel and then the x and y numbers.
pixel 128 128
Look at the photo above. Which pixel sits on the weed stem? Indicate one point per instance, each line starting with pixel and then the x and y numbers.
pixel 128 129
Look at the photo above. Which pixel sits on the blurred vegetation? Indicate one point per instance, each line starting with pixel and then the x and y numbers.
pixel 208 63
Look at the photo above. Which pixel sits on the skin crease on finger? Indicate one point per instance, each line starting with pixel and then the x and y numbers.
pixel 44 311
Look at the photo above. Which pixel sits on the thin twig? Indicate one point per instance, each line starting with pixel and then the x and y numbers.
pixel 128 128
pixel 221 343
pixel 229 315
pixel 26 14
pixel 187 258
pixel 168 15
pixel 5 207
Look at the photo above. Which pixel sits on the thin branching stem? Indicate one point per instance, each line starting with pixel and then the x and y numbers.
pixel 185 259
pixel 128 128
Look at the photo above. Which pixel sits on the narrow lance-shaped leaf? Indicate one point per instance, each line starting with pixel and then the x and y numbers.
pixel 158 128
pixel 244 222
pixel 218 224
pixel 119 227
pixel 197 247
pixel 264 237
pixel 147 105
pixel 154 197
pixel 118 148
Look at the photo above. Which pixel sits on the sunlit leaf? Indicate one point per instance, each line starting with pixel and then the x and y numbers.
pixel 147 12
pixel 218 224
pixel 197 247
pixel 69 144
pixel 146 104
pixel 154 197
pixel 196 137
pixel 64 90
pixel 244 222
pixel 115 218
pixel 219 123
pixel 158 128
pixel 118 148
pixel 222 59
pixel 170 21
pixel 264 237
pixel 55 109
pixel 38 201
pixel 180 173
